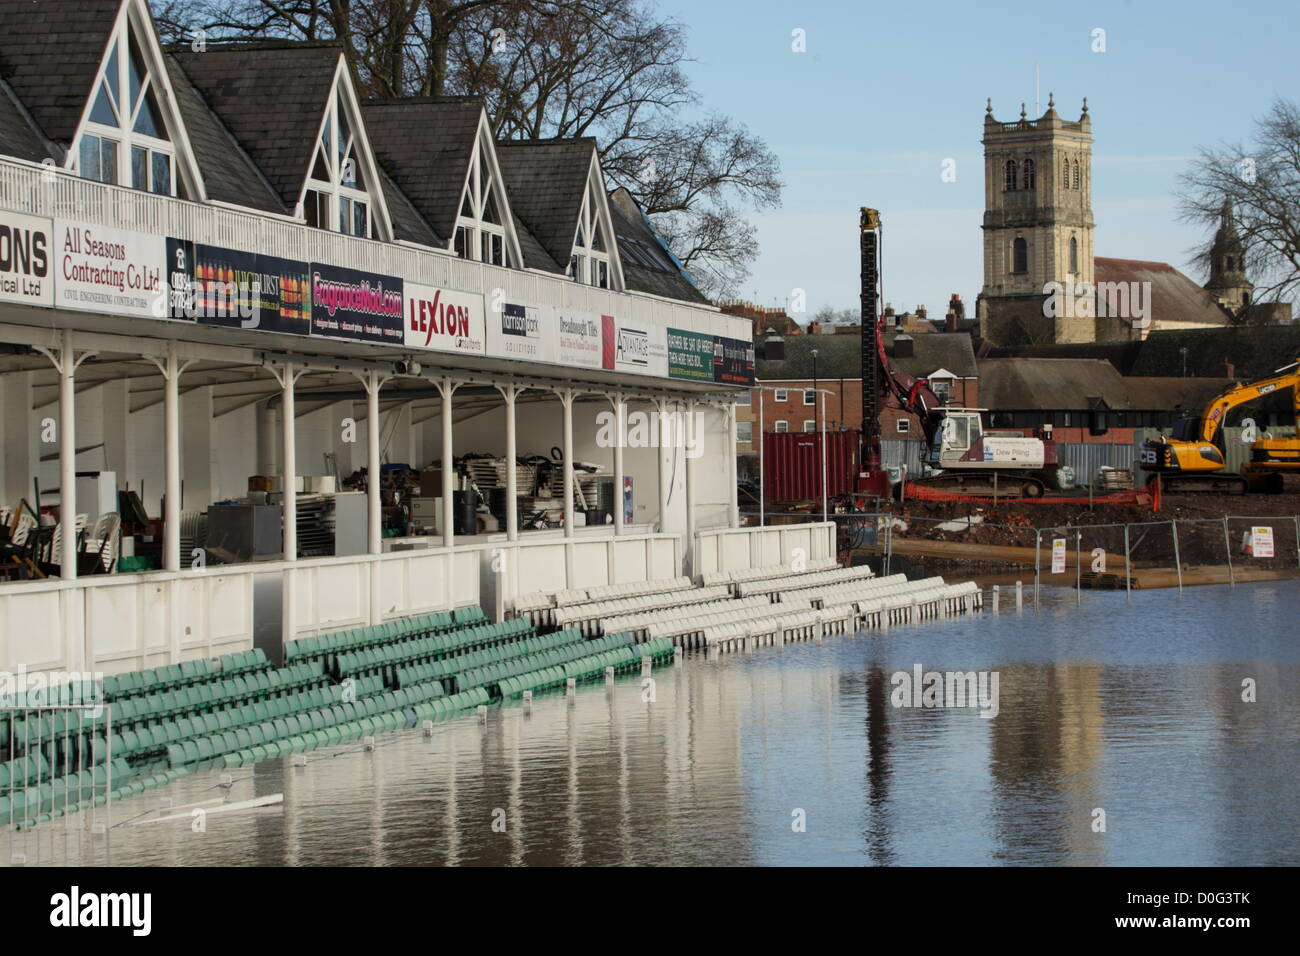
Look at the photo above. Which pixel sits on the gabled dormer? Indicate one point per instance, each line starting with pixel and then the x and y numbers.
pixel 131 132
pixel 292 109
pixel 342 191
pixel 484 230
pixel 558 192
pixel 594 258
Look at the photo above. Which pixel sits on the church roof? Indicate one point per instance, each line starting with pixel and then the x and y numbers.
pixel 1062 384
pixel 1175 299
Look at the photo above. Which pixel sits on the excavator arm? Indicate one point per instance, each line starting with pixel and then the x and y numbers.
pixel 1216 413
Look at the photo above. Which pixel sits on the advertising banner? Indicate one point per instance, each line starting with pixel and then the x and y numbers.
pixel 26 253
pixel 101 269
pixel 733 361
pixel 579 338
pixel 523 332
pixel 215 286
pixel 445 321
pixel 637 348
pixel 347 304
pixel 690 355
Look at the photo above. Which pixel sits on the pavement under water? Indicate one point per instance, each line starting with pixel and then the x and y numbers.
pixel 1122 711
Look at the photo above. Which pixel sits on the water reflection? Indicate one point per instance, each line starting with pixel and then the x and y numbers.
pixel 1131 707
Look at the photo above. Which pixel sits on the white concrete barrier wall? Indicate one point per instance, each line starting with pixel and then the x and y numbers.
pixel 133 621
pixel 735 549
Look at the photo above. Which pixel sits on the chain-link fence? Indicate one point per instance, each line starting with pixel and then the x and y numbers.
pixel 1113 556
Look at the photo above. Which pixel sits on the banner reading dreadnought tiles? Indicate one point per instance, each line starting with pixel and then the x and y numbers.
pixel 347 304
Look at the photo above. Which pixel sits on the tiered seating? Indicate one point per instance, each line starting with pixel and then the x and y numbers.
pixel 588 617
pixel 774 586
pixel 714 578
pixel 327 647
pixel 387 658
pixel 541 608
pixel 622 659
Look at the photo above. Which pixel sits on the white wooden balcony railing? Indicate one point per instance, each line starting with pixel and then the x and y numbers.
pixel 44 191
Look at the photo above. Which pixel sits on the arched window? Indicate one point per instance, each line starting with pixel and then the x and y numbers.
pixel 1065 174
pixel 1010 178
pixel 1020 256
pixel 1028 177
pixel 1074 256
pixel 1076 174
pixel 480 227
pixel 589 260
pixel 337 197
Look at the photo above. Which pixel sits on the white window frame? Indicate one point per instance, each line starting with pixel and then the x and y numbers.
pixel 483 166
pixel 813 393
pixel 135 23
pixel 903 426
pixel 741 437
pixel 745 398
pixel 782 395
pixel 810 426
pixel 780 426
pixel 342 103
pixel 585 262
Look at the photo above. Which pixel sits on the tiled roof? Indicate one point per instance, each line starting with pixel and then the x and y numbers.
pixel 647 266
pixel 1175 299
pixel 425 144
pixel 228 173
pixel 1256 351
pixel 17 134
pixel 272 97
pixel 840 356
pixel 547 180
pixel 1030 384
pixel 50 51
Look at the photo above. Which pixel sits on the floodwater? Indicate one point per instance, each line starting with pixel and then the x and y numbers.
pixel 1127 713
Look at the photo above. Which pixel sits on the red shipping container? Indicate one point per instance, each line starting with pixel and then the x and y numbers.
pixel 792 465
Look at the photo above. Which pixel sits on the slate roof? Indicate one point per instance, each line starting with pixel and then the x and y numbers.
pixel 547 179
pixel 424 144
pixel 647 265
pixel 229 175
pixel 252 112
pixel 17 132
pixel 840 356
pixel 1175 299
pixel 272 97
pixel 1121 354
pixel 1256 351
pixel 1025 384
pixel 50 51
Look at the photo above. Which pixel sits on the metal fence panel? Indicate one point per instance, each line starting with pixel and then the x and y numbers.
pixel 896 452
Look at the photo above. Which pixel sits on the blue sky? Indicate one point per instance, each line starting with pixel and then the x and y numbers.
pixel 886 92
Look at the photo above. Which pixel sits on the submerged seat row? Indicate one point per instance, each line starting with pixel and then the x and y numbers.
pixel 240 709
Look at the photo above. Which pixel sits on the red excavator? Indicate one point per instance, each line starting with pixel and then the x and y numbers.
pixel 960 455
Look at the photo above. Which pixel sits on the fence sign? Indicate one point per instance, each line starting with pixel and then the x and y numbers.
pixel 1058 555
pixel 1261 542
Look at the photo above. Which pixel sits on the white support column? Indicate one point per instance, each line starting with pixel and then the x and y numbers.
pixel 67 367
pixel 825 509
pixel 289 460
pixel 762 476
pixel 661 407
pixel 448 481
pixel 620 438
pixel 511 393
pixel 566 402
pixel 689 429
pixel 734 469
pixel 171 461
pixel 448 466
pixel 373 382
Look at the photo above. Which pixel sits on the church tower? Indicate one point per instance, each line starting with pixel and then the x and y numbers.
pixel 1228 282
pixel 1037 225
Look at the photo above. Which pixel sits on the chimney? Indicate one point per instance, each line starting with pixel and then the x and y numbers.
pixel 920 312
pixel 957 306
pixel 1225 369
pixel 889 313
pixel 904 347
pixel 950 321
pixel 774 348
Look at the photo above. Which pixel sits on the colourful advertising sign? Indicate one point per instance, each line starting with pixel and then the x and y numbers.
pixel 690 355
pixel 347 304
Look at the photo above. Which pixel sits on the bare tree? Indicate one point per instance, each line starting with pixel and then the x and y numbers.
pixel 1262 183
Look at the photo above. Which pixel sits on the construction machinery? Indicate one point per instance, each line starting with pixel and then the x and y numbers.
pixel 960 455
pixel 1194 457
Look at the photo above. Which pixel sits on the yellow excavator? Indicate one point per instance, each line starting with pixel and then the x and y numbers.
pixel 1194 457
